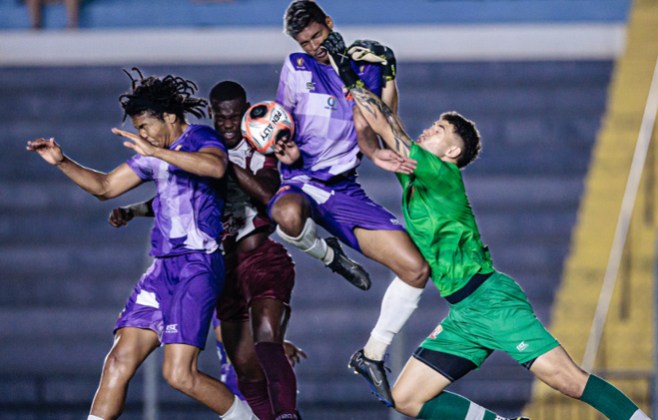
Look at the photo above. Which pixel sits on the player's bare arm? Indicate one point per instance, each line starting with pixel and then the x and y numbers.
pixel 120 216
pixel 101 185
pixel 260 186
pixel 382 120
pixel 210 162
pixel 384 158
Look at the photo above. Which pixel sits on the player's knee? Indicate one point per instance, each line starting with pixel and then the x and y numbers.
pixel 119 365
pixel 404 404
pixel 416 273
pixel 288 216
pixel 178 377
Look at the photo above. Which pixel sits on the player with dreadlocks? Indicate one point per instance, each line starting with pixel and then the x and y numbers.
pixel 173 302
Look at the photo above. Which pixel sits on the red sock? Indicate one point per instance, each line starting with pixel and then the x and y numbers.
pixel 256 395
pixel 281 381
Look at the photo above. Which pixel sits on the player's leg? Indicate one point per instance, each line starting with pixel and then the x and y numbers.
pixel 292 211
pixel 251 378
pixel 130 349
pixel 181 373
pixel 269 319
pixel 268 276
pixel 419 390
pixel 227 374
pixel 559 371
pixel 193 282
pixel 394 249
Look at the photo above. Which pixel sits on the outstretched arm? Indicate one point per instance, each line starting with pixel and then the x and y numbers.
pixel 102 185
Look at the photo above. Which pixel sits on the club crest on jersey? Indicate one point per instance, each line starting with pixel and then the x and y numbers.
pixel 300 63
pixel 438 330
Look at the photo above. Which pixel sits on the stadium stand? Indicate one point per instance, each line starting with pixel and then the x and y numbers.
pixel 66 273
pixel 628 331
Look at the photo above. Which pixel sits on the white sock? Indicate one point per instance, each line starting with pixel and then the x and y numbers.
pixel 90 417
pixel 308 242
pixel 239 411
pixel 639 415
pixel 399 302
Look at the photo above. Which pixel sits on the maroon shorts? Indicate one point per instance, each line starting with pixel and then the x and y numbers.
pixel 267 272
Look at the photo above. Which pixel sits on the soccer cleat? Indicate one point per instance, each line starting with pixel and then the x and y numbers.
pixel 374 372
pixel 515 418
pixel 347 268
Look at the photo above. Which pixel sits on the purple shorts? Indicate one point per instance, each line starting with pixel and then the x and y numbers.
pixel 267 272
pixel 176 298
pixel 339 206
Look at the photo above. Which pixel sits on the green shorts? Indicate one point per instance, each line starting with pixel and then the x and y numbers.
pixel 496 316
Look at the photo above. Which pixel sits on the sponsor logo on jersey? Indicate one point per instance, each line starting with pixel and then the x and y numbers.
pixel 171 329
pixel 310 85
pixel 331 103
pixel 438 330
pixel 522 346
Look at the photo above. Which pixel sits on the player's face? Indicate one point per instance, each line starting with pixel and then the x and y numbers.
pixel 227 116
pixel 157 131
pixel 312 37
pixel 439 138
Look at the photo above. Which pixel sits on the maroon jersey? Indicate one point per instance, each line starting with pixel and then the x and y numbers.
pixel 242 214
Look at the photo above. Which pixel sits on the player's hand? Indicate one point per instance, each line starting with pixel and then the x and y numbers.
pixel 374 52
pixel 286 150
pixel 136 143
pixel 390 161
pixel 47 149
pixel 340 60
pixel 293 353
pixel 120 216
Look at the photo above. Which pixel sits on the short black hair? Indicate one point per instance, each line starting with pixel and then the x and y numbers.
pixel 299 14
pixel 158 95
pixel 227 91
pixel 469 134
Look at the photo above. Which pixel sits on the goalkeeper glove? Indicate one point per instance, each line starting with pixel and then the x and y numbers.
pixel 374 52
pixel 340 60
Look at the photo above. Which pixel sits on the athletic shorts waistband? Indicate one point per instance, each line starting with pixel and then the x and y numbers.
pixel 475 282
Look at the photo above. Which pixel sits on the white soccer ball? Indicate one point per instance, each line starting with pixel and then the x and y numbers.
pixel 264 123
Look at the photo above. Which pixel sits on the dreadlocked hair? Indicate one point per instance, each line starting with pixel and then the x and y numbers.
pixel 170 94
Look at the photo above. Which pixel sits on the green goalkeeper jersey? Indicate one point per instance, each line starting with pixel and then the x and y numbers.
pixel 441 223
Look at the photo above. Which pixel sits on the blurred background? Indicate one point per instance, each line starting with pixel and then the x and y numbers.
pixel 564 190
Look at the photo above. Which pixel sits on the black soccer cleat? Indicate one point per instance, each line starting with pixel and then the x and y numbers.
pixel 374 372
pixel 519 418
pixel 346 267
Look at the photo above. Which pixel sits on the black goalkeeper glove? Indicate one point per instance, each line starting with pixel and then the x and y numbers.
pixel 374 52
pixel 340 60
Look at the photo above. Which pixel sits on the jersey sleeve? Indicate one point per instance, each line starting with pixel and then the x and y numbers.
pixel 285 94
pixel 206 137
pixel 142 166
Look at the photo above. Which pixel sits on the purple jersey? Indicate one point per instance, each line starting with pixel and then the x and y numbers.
pixel 188 208
pixel 324 127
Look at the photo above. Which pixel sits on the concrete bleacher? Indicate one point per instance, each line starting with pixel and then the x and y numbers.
pixel 66 272
pixel 208 13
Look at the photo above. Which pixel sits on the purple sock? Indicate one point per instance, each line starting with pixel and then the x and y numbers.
pixel 281 381
pixel 256 395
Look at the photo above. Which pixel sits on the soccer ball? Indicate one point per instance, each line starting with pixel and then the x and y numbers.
pixel 264 123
